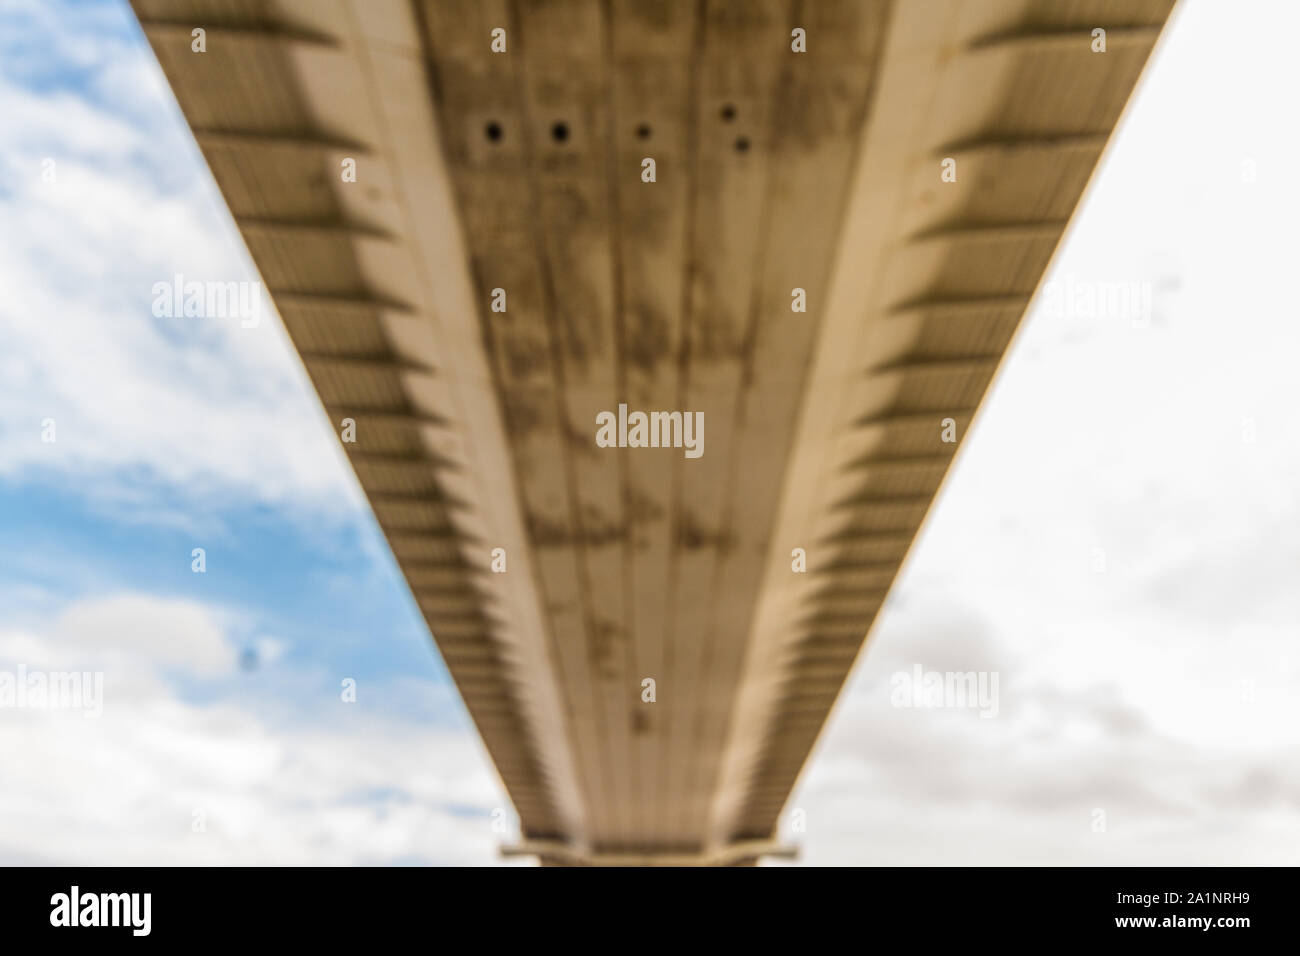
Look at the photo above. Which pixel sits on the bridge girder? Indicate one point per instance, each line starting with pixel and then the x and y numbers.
pixel 776 170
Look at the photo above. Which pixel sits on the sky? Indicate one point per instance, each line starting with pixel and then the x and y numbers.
pixel 1116 541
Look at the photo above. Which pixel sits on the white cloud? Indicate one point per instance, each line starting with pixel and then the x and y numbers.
pixel 202 407
pixel 344 785
pixel 910 786
pixel 158 631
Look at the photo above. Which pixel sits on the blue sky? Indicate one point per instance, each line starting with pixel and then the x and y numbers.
pixel 1159 688
pixel 317 575
pixel 170 435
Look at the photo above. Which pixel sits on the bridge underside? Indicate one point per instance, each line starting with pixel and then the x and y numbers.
pixel 500 272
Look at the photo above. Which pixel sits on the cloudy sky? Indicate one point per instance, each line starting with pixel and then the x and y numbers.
pixel 1117 542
